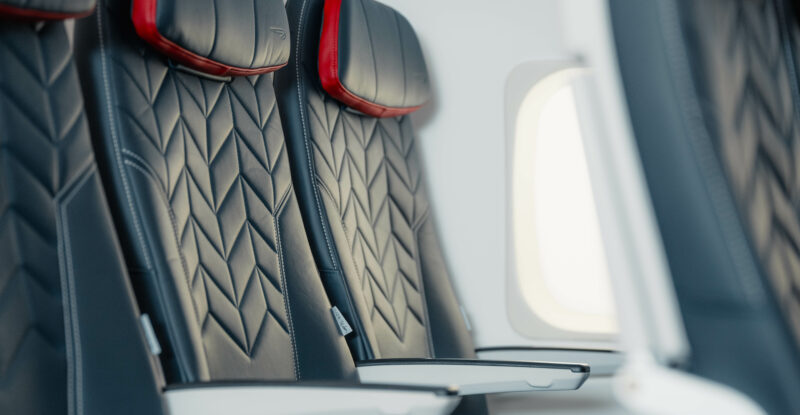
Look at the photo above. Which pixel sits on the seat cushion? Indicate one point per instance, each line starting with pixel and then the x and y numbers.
pixel 218 37
pixel 371 60
pixel 45 9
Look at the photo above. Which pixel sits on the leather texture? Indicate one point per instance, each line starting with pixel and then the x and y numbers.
pixel 371 60
pixel 368 195
pixel 363 200
pixel 757 119
pixel 220 37
pixel 203 197
pixel 46 9
pixel 44 147
pixel 712 92
pixel 110 368
pixel 58 249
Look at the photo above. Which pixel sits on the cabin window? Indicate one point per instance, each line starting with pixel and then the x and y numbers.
pixel 558 248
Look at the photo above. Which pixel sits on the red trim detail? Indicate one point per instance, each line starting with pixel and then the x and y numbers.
pixel 143 14
pixel 329 68
pixel 22 13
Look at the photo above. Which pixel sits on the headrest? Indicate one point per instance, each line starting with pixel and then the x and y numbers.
pixel 45 9
pixel 370 59
pixel 217 37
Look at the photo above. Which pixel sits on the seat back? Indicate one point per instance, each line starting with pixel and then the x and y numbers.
pixel 712 92
pixel 182 108
pixel 344 100
pixel 70 340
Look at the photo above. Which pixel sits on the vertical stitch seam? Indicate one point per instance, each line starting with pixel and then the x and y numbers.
pixel 286 301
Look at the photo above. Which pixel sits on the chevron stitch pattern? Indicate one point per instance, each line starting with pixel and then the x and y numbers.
pixel 759 138
pixel 370 169
pixel 36 78
pixel 215 151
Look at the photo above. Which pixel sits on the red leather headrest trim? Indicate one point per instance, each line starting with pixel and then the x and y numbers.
pixel 143 14
pixel 329 68
pixel 7 11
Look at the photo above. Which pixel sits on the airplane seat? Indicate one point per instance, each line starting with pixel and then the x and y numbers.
pixel 183 113
pixel 69 321
pixel 360 188
pixel 712 90
pixel 359 179
pixel 191 149
pixel 357 70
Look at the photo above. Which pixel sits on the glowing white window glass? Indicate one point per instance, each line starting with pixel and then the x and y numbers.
pixel 560 258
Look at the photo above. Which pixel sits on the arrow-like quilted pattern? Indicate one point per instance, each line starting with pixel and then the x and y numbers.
pixel 758 134
pixel 210 154
pixel 369 168
pixel 44 145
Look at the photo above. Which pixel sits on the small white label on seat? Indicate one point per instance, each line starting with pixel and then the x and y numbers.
pixel 341 322
pixel 150 335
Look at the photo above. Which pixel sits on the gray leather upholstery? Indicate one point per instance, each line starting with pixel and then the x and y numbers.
pixel 32 358
pixel 363 199
pixel 210 223
pixel 244 34
pixel 58 7
pixel 70 339
pixel 370 55
pixel 712 92
pixel 368 197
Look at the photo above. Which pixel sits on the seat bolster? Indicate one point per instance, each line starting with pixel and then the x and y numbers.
pixel 308 302
pixel 445 315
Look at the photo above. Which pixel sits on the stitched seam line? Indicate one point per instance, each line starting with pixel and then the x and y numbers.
pixel 347 289
pixel 146 165
pixel 371 50
pixel 715 182
pixel 165 200
pixel 421 278
pixel 115 139
pixel 368 347
pixel 286 301
pixel 311 173
pixel 71 322
pixel 124 177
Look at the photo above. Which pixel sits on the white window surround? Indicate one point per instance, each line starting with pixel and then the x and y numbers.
pixel 558 286
pixel 560 260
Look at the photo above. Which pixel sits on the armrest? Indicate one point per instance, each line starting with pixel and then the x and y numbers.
pixel 308 399
pixel 602 362
pixel 475 376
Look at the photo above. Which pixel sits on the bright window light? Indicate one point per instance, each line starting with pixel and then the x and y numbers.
pixel 560 258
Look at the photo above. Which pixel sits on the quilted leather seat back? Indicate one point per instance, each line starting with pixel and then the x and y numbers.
pixel 712 91
pixel 363 198
pixel 211 227
pixel 44 152
pixel 57 242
